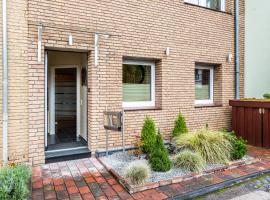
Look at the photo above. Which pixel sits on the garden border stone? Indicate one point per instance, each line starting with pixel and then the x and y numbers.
pixel 133 189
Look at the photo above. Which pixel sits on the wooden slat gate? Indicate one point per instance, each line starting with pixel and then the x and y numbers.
pixel 251 121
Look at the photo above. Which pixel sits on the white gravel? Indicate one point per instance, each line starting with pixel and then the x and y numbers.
pixel 119 161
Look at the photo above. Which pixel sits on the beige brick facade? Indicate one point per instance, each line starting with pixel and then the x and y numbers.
pixel 138 29
pixel 18 81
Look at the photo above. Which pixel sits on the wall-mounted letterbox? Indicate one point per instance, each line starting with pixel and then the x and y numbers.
pixel 113 121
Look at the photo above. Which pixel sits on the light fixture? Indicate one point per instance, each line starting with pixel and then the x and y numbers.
pixel 70 40
pixel 229 57
pixel 167 51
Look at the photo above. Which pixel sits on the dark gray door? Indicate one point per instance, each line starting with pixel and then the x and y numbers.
pixel 65 104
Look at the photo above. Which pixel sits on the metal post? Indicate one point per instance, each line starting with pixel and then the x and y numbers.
pixel 107 138
pixel 237 61
pixel 46 100
pixel 107 142
pixel 123 130
pixel 96 49
pixel 40 28
pixel 5 82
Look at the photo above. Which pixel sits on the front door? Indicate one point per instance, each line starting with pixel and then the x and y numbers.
pixel 65 104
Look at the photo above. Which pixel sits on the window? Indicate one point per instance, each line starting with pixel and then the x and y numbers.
pixel 204 84
pixel 213 4
pixel 138 84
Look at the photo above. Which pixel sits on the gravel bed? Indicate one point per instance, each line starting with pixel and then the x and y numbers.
pixel 119 161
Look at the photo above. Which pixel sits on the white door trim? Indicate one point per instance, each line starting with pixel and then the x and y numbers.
pixel 46 99
pixel 52 97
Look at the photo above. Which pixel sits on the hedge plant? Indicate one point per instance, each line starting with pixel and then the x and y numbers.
pixel 239 148
pixel 14 182
pixel 148 136
pixel 180 126
pixel 159 158
pixel 239 145
pixel 266 95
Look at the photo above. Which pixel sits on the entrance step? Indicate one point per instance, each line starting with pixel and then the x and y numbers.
pixel 67 154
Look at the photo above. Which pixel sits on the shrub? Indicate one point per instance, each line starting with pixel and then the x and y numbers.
pixel 266 95
pixel 239 145
pixel 159 161
pixel 159 142
pixel 14 182
pixel 189 161
pixel 137 172
pixel 148 136
pixel 239 149
pixel 159 158
pixel 213 146
pixel 180 126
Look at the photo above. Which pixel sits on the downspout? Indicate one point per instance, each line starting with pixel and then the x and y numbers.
pixel 5 84
pixel 237 64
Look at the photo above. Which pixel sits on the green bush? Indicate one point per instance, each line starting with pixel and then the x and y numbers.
pixel 148 136
pixel 180 126
pixel 239 149
pixel 189 161
pixel 14 182
pixel 239 145
pixel 213 146
pixel 266 95
pixel 159 161
pixel 137 172
pixel 159 158
pixel 159 142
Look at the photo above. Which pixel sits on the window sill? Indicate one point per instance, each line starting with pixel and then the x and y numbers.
pixel 142 108
pixel 207 105
pixel 190 4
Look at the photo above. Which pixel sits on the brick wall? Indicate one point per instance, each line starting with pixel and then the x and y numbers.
pixel 18 81
pixel 138 29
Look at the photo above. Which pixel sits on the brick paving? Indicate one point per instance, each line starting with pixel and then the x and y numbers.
pixel 88 179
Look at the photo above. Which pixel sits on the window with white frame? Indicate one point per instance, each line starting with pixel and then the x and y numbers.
pixel 138 84
pixel 204 84
pixel 213 4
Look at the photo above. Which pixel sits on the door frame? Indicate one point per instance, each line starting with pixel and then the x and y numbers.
pixel 51 99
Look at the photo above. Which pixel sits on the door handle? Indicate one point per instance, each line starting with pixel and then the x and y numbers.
pixel 261 110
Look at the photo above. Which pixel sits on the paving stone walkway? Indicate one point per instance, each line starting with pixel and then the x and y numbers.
pixel 88 179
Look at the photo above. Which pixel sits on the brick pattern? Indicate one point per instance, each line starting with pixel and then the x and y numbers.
pixel 18 81
pixel 87 179
pixel 138 29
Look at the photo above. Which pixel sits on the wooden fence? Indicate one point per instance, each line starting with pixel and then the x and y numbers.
pixel 251 121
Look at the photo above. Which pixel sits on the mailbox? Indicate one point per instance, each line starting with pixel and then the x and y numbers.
pixel 113 121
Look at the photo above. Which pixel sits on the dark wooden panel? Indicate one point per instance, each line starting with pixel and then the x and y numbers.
pixel 250 103
pixel 257 128
pixel 248 124
pixel 241 122
pixel 266 128
pixel 234 120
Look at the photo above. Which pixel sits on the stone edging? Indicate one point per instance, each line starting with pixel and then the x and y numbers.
pixel 133 189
